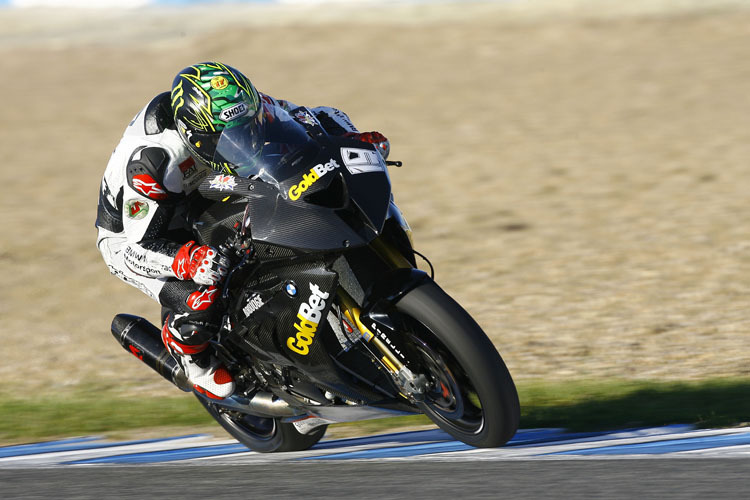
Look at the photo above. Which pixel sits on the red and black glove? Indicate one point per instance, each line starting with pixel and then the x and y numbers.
pixel 200 263
pixel 381 142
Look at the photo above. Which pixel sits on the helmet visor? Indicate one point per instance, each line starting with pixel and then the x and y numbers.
pixel 240 146
pixel 257 148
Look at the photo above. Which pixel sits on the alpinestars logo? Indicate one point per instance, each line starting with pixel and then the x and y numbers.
pixel 181 272
pixel 149 187
pixel 202 300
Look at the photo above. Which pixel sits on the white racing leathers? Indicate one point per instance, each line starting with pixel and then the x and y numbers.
pixel 148 185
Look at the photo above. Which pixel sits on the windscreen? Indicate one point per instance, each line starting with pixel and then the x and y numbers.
pixel 260 148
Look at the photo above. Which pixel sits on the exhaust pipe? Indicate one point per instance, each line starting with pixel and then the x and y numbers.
pixel 262 404
pixel 143 340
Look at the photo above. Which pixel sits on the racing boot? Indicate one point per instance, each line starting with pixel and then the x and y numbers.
pixel 207 374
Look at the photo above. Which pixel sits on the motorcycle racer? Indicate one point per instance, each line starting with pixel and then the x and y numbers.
pixel 150 186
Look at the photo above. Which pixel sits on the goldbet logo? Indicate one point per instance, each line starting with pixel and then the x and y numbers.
pixel 310 178
pixel 309 315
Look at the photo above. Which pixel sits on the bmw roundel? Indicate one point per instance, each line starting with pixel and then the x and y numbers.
pixel 291 289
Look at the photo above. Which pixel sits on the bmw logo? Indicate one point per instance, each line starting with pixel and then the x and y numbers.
pixel 291 289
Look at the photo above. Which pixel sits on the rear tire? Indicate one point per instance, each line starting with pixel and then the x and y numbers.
pixel 472 395
pixel 263 434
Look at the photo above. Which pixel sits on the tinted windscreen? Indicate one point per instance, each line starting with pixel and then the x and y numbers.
pixel 256 149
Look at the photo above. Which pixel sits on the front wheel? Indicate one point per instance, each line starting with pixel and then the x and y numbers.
pixel 470 393
pixel 262 434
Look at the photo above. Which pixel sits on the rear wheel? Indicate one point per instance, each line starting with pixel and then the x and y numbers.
pixel 470 393
pixel 263 434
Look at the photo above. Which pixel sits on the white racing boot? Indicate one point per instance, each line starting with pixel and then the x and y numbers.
pixel 207 374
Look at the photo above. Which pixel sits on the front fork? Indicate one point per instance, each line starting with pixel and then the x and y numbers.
pixel 411 385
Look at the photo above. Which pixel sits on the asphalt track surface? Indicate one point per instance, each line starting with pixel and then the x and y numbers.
pixel 665 462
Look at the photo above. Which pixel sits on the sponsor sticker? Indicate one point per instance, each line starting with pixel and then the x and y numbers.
pixel 384 338
pixel 234 112
pixel 136 260
pixel 308 319
pixel 149 187
pixel 361 161
pixel 136 352
pixel 223 183
pixel 219 83
pixel 305 117
pixel 254 303
pixel 311 178
pixel 202 299
pixel 186 165
pixel 136 209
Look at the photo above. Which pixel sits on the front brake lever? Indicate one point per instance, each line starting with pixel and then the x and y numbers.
pixel 241 247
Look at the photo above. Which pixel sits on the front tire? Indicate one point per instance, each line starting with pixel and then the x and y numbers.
pixel 471 394
pixel 263 434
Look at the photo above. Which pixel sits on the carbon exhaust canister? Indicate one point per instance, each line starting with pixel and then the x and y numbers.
pixel 143 340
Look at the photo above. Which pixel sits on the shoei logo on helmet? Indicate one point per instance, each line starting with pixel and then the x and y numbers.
pixel 219 83
pixel 309 316
pixel 311 178
pixel 234 112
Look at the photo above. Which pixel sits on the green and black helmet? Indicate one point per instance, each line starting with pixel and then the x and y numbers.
pixel 210 98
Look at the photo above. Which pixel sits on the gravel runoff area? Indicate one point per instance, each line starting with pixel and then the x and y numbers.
pixel 577 171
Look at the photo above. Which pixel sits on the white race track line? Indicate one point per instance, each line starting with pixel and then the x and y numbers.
pixel 535 444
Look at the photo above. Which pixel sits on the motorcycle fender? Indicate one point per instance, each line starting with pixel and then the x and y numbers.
pixel 376 315
pixel 394 285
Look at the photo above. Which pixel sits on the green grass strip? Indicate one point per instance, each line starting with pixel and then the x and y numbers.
pixel 601 405
pixel 75 415
pixel 574 405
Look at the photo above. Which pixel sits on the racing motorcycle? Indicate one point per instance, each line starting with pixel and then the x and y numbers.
pixel 327 317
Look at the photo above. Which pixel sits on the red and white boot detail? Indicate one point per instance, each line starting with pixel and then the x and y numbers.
pixel 207 374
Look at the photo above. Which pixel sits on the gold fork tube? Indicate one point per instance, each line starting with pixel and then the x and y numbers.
pixel 351 311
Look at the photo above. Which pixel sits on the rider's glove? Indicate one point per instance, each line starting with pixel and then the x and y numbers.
pixel 381 143
pixel 200 263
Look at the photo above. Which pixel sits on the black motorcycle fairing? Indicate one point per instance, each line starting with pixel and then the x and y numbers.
pixel 317 193
pixel 265 315
pixel 282 315
pixel 296 298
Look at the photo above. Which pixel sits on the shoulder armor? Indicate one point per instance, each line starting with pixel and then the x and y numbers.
pixel 158 115
pixel 145 172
